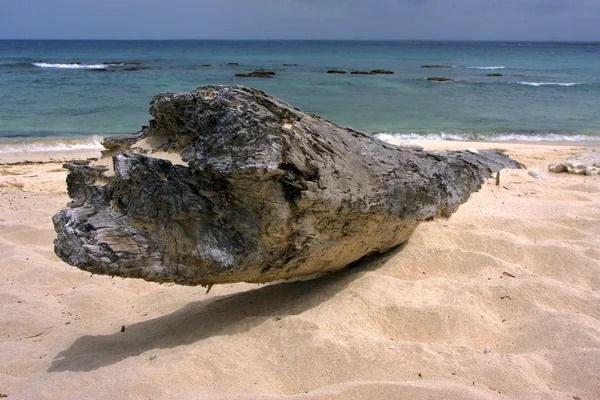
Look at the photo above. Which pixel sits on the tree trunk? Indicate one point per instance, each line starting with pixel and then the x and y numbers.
pixel 236 185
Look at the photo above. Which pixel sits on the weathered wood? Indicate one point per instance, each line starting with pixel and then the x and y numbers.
pixel 263 191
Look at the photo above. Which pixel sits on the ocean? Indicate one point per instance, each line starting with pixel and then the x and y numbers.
pixel 69 94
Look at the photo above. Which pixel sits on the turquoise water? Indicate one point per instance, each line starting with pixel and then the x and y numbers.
pixel 546 91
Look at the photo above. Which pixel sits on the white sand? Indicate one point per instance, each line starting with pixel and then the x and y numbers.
pixel 516 270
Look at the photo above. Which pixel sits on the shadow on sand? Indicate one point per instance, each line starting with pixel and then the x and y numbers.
pixel 225 315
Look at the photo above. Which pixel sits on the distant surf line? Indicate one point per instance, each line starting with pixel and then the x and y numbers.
pixel 488 68
pixel 69 66
pixel 499 137
pixel 537 84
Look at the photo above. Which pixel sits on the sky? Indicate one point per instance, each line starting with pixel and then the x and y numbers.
pixel 302 19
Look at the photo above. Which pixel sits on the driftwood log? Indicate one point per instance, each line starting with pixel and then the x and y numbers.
pixel 229 184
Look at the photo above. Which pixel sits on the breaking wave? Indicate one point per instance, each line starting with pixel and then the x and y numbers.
pixel 69 66
pixel 548 83
pixel 496 137
pixel 492 67
pixel 94 143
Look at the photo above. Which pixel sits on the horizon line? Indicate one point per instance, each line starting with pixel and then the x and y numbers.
pixel 310 40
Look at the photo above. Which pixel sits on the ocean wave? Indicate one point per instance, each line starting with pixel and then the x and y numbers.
pixel 94 143
pixel 388 137
pixel 548 83
pixel 492 137
pixel 492 67
pixel 69 66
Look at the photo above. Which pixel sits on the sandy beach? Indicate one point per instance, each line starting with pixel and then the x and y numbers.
pixel 500 301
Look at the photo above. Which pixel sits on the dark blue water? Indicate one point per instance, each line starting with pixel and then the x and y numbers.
pixel 545 89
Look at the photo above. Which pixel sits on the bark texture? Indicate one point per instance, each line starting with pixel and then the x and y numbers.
pixel 260 191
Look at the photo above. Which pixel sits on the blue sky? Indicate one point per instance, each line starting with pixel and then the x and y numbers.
pixel 301 19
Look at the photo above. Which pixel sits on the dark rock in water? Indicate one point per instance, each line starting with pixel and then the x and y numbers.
pixel 494 74
pixel 232 63
pixel 435 66
pixel 381 72
pixel 240 186
pixel 75 63
pixel 206 65
pixel 98 69
pixel 257 74
pixel 439 79
pixel 336 71
pixel 373 72
pixel 291 65
pixel 131 69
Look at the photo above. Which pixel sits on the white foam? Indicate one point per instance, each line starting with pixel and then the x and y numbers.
pixel 492 67
pixel 69 66
pixel 411 145
pixel 59 146
pixel 548 83
pixel 387 137
pixel 503 137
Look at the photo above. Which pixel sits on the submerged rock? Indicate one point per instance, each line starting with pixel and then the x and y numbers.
pixel 439 79
pixel 372 72
pixel 239 186
pixel 381 72
pixel 435 66
pixel 257 74
pixel 336 71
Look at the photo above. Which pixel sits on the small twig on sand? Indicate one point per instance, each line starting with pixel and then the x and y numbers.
pixel 498 178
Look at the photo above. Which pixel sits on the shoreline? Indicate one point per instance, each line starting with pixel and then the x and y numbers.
pixel 48 157
pixel 64 154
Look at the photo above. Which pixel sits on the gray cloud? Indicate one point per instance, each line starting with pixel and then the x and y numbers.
pixel 303 19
